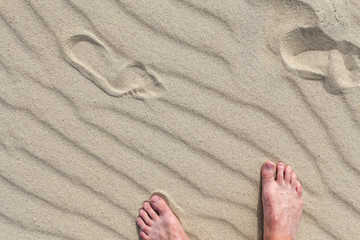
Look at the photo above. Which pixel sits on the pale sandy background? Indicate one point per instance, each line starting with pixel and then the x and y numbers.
pixel 104 102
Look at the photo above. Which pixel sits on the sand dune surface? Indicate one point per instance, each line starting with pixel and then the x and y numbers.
pixel 104 103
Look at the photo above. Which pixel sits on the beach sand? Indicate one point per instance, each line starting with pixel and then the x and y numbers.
pixel 104 103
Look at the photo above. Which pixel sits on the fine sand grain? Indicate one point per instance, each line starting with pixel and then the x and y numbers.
pixel 104 103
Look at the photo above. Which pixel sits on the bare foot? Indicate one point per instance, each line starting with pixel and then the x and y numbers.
pixel 158 222
pixel 282 201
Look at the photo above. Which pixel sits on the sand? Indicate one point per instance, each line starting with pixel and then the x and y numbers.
pixel 104 103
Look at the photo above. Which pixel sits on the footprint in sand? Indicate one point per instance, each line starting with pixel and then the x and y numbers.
pixel 310 54
pixel 94 60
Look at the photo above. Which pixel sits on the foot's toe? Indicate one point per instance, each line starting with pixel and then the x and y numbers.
pixel 143 235
pixel 299 188
pixel 159 205
pixel 293 180
pixel 148 208
pixel 144 215
pixel 142 225
pixel 288 172
pixel 280 172
pixel 268 171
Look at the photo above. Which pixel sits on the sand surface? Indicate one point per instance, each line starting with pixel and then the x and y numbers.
pixel 103 103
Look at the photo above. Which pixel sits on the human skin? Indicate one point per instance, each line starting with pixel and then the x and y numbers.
pixel 282 201
pixel 157 221
pixel 282 204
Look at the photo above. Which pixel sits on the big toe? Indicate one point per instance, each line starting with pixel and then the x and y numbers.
pixel 159 205
pixel 268 171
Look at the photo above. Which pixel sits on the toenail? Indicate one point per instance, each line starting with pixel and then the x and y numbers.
pixel 281 164
pixel 269 166
pixel 155 199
